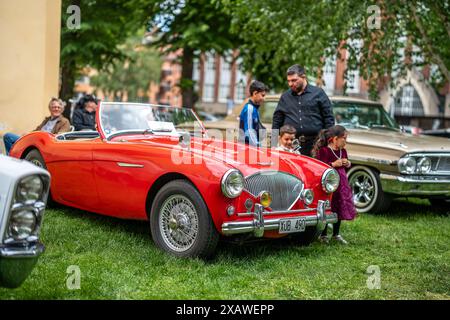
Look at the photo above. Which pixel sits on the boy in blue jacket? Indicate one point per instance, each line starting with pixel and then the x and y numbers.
pixel 249 122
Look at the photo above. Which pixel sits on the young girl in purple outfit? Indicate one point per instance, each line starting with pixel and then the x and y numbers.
pixel 329 148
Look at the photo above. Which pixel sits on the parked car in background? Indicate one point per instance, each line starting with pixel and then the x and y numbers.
pixel 444 133
pixel 387 163
pixel 145 163
pixel 23 196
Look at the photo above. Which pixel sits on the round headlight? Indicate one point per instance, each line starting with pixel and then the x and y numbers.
pixel 407 165
pixel 22 224
pixel 30 188
pixel 265 198
pixel 330 180
pixel 307 196
pixel 424 165
pixel 232 183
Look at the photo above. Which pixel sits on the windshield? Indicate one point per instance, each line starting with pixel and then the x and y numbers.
pixel 359 115
pixel 116 118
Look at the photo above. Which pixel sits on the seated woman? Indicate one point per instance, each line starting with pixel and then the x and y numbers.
pixel 55 123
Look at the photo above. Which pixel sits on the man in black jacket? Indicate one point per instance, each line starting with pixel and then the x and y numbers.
pixel 305 107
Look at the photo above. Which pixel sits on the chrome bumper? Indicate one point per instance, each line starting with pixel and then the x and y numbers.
pixel 410 186
pixel 315 217
pixel 16 263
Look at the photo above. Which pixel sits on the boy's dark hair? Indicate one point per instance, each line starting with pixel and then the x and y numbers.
pixel 296 69
pixel 257 86
pixel 287 128
pixel 326 135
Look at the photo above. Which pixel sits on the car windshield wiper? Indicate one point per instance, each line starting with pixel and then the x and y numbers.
pixel 383 126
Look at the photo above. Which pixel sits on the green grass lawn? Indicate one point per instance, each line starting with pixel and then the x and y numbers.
pixel 118 260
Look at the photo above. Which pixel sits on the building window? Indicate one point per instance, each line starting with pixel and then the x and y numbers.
pixel 329 75
pixel 407 102
pixel 208 92
pixel 225 80
pixel 241 83
pixel 209 78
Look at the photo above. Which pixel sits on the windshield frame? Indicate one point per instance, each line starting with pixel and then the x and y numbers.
pixel 105 136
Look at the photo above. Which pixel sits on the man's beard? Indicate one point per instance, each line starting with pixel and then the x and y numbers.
pixel 300 87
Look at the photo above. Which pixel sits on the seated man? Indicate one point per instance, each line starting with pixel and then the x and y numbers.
pixel 83 118
pixel 286 138
pixel 55 123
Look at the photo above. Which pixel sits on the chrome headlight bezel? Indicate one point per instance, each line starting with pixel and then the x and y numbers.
pixel 29 188
pixel 232 183
pixel 407 165
pixel 23 222
pixel 424 165
pixel 330 180
pixel 307 195
pixel 28 202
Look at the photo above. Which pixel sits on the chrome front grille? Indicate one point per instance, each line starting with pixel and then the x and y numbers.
pixel 285 188
pixel 443 164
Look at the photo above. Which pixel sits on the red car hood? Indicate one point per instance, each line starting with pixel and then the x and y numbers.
pixel 247 159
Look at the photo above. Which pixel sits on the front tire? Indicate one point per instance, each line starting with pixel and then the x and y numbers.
pixel 367 192
pixel 180 222
pixel 35 157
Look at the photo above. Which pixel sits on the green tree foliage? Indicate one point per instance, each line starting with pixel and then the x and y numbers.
pixel 133 74
pixel 104 26
pixel 278 33
pixel 194 26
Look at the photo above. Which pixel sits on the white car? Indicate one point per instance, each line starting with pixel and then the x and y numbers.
pixel 24 189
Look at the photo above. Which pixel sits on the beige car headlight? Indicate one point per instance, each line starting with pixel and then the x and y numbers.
pixel 232 183
pixel 330 180
pixel 407 165
pixel 29 188
pixel 424 165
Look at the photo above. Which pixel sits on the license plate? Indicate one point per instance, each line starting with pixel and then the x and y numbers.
pixel 292 225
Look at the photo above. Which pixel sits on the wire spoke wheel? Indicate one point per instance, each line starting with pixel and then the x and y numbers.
pixel 178 223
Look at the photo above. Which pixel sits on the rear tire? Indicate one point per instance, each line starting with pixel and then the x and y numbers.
pixel 180 222
pixel 368 195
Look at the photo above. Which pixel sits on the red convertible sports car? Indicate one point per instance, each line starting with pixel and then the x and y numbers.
pixel 157 163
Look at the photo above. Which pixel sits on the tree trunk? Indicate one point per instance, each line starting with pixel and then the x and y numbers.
pixel 187 85
pixel 67 85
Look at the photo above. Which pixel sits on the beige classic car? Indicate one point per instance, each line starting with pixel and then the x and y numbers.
pixel 386 163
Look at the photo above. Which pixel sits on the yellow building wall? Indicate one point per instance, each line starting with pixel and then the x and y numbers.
pixel 29 62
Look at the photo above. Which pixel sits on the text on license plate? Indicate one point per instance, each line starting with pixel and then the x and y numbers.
pixel 292 225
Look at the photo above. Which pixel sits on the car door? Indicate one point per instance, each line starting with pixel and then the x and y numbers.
pixel 71 168
pixel 124 172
